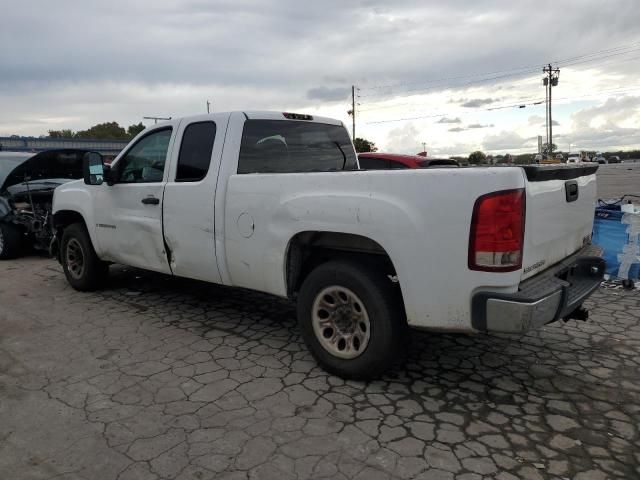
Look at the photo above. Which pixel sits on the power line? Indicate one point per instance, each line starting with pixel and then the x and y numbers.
pixel 511 71
pixel 384 107
pixel 503 74
pixel 599 52
pixel 614 92
pixel 473 82
pixel 515 105
pixel 457 77
pixel 581 62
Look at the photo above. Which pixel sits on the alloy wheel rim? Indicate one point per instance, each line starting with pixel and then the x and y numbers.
pixel 341 322
pixel 75 258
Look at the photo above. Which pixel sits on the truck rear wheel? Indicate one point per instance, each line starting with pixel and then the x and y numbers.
pixel 351 320
pixel 10 237
pixel 82 267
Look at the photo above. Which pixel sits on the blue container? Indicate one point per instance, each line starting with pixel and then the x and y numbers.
pixel 618 233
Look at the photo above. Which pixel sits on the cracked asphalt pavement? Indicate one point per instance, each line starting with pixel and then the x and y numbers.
pixel 161 378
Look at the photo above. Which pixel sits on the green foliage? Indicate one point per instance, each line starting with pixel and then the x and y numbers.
pixel 66 133
pixel 107 130
pixel 101 131
pixel 134 130
pixel 362 145
pixel 549 151
pixel 477 158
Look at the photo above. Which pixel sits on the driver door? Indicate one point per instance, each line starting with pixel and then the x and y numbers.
pixel 129 213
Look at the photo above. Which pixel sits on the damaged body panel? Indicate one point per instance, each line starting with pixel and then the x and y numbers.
pixel 27 183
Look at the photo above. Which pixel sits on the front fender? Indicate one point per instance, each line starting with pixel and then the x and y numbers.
pixel 75 197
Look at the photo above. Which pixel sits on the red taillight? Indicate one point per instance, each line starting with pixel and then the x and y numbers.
pixel 497 232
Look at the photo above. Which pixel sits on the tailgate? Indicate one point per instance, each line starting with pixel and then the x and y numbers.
pixel 559 213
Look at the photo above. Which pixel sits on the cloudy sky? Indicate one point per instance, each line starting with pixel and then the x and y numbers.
pixel 450 74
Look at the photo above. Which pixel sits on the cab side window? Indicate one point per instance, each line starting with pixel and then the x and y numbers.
pixel 145 162
pixel 195 151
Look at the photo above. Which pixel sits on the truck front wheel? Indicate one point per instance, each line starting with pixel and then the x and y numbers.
pixel 82 267
pixel 351 320
pixel 10 238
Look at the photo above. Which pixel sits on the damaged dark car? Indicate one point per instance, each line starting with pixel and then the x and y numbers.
pixel 27 182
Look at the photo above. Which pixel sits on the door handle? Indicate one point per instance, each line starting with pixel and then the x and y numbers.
pixel 151 201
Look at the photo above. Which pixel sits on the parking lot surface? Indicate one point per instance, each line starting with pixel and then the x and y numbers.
pixel 155 377
pixel 619 179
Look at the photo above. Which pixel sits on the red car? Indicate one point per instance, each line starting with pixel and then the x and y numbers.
pixel 392 161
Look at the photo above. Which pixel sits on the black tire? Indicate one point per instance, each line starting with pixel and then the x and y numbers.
pixel 76 247
pixel 381 303
pixel 10 241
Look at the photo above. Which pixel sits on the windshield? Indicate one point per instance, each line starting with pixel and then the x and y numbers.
pixel 285 146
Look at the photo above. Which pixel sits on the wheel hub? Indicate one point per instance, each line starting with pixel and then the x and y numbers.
pixel 340 322
pixel 75 258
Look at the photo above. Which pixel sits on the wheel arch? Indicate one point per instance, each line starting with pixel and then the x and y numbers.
pixel 64 218
pixel 61 220
pixel 308 249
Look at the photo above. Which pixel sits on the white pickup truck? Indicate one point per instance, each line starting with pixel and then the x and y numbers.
pixel 275 202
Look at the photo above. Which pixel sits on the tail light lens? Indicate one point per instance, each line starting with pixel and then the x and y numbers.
pixel 497 232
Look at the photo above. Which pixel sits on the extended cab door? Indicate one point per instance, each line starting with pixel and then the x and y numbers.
pixel 189 195
pixel 129 213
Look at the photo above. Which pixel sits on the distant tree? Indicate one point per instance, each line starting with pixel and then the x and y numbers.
pixel 477 158
pixel 135 129
pixel 107 130
pixel 362 145
pixel 65 133
pixel 549 151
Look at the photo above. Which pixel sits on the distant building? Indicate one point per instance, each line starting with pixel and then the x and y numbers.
pixel 108 148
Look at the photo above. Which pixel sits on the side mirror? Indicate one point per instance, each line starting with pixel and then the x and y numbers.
pixel 93 168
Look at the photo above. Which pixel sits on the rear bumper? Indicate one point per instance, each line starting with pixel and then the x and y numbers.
pixel 549 296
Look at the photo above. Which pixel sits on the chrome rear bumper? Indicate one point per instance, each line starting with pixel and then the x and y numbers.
pixel 551 295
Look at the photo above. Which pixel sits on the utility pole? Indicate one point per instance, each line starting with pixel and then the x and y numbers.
pixel 155 119
pixel 424 147
pixel 353 111
pixel 550 81
pixel 208 103
pixel 545 82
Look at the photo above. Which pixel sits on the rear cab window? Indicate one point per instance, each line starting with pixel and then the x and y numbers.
pixel 288 146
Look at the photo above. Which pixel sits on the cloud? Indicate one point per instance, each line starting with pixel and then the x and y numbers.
pixel 167 58
pixel 610 125
pixel 471 126
pixel 328 94
pixel 405 139
pixel 476 102
pixel 535 120
pixel 507 140
pixel 449 120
